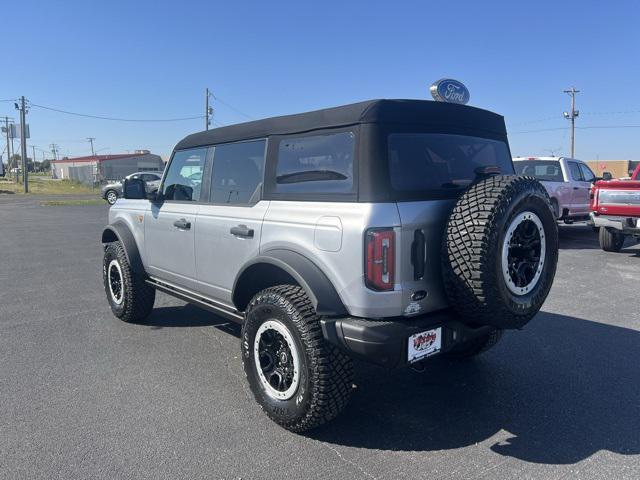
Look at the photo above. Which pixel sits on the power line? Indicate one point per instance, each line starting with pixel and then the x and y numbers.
pixel 116 119
pixel 538 130
pixel 608 126
pixel 621 112
pixel 215 97
pixel 545 119
pixel 588 127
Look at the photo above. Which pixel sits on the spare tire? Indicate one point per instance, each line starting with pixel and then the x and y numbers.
pixel 500 251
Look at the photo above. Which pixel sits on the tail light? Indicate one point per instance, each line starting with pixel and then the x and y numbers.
pixel 380 254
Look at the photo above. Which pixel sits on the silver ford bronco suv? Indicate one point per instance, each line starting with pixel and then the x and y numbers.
pixel 388 230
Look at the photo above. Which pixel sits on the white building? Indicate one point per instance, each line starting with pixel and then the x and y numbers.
pixel 99 168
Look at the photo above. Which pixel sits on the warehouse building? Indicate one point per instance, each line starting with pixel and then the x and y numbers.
pixel 617 168
pixel 95 169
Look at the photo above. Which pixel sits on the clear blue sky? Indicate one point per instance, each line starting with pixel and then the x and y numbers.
pixel 139 59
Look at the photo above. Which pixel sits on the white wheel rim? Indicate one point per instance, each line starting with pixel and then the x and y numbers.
pixel 114 277
pixel 112 197
pixel 515 285
pixel 273 392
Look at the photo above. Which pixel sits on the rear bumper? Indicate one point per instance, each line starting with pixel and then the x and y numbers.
pixel 624 224
pixel 385 342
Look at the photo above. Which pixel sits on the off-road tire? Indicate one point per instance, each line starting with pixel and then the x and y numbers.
pixel 137 297
pixel 108 196
pixel 610 240
pixel 325 381
pixel 555 208
pixel 472 251
pixel 475 347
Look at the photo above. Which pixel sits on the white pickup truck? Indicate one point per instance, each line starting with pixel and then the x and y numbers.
pixel 567 180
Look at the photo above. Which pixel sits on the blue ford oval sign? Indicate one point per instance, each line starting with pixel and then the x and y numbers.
pixel 449 90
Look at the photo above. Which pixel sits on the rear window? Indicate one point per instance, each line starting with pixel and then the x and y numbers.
pixel 547 170
pixel 440 162
pixel 316 164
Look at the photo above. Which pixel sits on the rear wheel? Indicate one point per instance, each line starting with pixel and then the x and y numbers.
pixel 130 297
pixel 500 251
pixel 299 379
pixel 610 240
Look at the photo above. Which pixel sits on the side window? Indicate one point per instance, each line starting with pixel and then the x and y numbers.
pixel 237 172
pixel 316 164
pixel 185 175
pixel 574 170
pixel 587 174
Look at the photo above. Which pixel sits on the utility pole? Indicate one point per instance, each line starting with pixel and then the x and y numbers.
pixel 23 142
pixel 572 117
pixel 208 111
pixel 54 150
pixel 91 139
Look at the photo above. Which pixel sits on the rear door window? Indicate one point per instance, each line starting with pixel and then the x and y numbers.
pixel 587 174
pixel 316 163
pixel 574 171
pixel 238 170
pixel 441 163
pixel 546 170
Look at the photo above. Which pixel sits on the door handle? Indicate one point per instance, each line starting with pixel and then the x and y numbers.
pixel 576 188
pixel 242 231
pixel 182 224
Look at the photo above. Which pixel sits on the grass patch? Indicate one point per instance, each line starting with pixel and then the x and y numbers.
pixel 79 201
pixel 48 187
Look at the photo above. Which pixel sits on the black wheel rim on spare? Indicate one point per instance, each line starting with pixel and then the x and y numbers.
pixel 523 253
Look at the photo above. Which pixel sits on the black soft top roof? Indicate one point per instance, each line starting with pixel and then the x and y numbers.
pixel 419 112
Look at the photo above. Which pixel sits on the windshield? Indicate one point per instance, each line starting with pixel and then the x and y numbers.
pixel 548 170
pixel 440 162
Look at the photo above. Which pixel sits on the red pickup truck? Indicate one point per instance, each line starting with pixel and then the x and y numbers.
pixel 615 210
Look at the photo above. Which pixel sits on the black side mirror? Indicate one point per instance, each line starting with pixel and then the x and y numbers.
pixel 134 189
pixel 607 176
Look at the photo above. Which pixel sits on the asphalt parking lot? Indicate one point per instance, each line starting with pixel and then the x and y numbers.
pixel 83 395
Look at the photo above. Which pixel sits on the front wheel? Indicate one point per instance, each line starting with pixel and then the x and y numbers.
pixel 300 380
pixel 610 240
pixel 129 296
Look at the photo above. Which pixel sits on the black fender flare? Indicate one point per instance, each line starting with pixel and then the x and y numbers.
pixel 317 286
pixel 119 231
